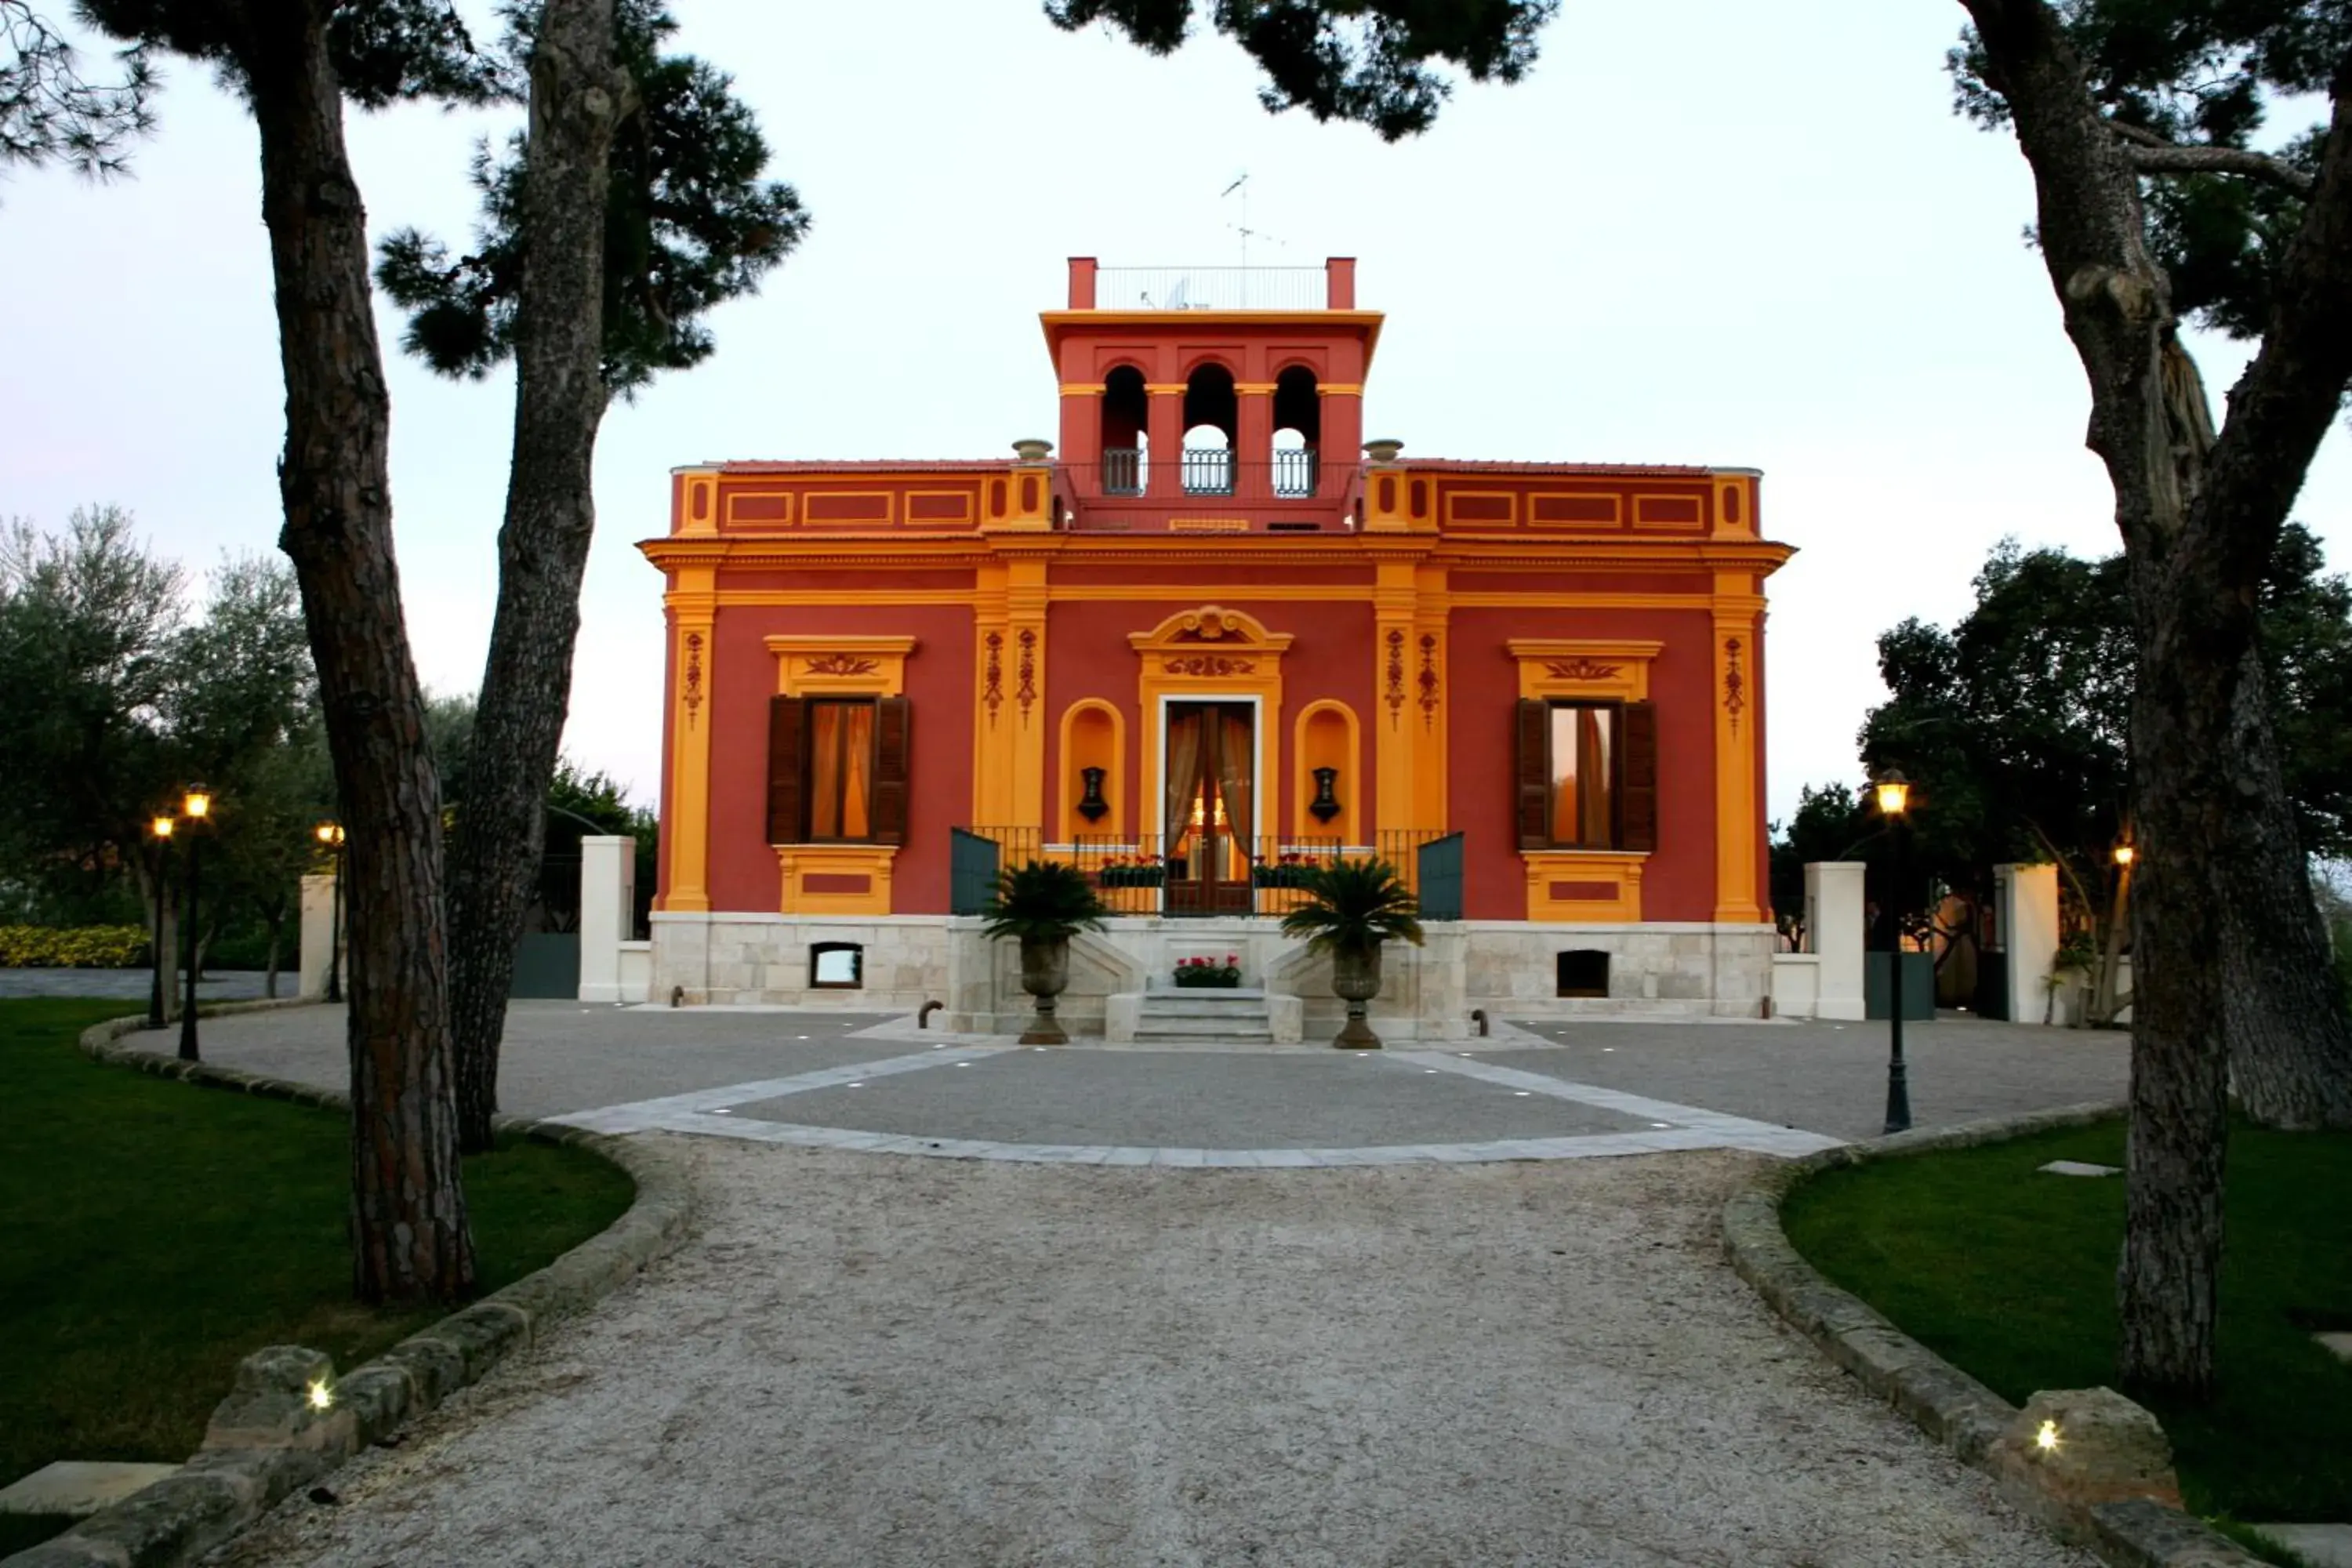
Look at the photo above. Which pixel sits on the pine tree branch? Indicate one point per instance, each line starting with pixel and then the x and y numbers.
pixel 2157 156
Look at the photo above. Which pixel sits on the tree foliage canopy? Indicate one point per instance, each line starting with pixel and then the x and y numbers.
pixel 115 697
pixel 2205 76
pixel 1369 61
pixel 2014 723
pixel 689 223
pixel 49 111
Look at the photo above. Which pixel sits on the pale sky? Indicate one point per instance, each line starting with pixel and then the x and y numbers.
pixel 1702 231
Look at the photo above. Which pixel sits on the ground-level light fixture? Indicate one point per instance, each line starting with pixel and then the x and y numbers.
pixel 2046 1439
pixel 322 1397
pixel 2125 854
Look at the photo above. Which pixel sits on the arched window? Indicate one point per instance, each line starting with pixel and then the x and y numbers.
pixel 1297 431
pixel 1210 413
pixel 1126 419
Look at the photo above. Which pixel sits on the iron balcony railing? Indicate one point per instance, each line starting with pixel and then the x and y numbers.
pixel 1127 471
pixel 1203 874
pixel 1211 289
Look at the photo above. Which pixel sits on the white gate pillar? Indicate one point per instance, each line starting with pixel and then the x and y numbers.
pixel 318 935
pixel 608 901
pixel 1834 924
pixel 2026 900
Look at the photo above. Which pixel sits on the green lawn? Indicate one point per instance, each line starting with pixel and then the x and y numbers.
pixel 156 1232
pixel 2011 1275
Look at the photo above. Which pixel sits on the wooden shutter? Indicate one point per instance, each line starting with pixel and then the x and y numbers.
pixel 894 730
pixel 1638 813
pixel 1533 772
pixel 787 770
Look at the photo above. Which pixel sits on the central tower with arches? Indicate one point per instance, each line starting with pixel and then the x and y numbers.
pixel 1212 398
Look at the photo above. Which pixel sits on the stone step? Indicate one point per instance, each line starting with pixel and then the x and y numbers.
pixel 1149 1024
pixel 1200 993
pixel 1155 1008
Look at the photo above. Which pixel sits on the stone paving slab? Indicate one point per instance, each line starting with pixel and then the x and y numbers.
pixel 79 1488
pixel 2320 1545
pixel 1832 1079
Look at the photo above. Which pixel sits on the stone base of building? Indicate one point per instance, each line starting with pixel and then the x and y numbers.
pixel 1508 968
pixel 757 959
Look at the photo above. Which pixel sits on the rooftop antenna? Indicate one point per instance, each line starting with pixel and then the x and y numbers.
pixel 1240 184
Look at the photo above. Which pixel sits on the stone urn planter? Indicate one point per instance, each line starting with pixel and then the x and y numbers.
pixel 1356 979
pixel 1350 909
pixel 1042 905
pixel 1045 974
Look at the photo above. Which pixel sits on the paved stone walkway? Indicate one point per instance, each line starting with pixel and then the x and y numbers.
pixel 1056 1352
pixel 133 984
pixel 864 1360
pixel 1602 1088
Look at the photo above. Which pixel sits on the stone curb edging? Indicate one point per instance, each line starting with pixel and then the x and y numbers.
pixel 264 1441
pixel 1955 1409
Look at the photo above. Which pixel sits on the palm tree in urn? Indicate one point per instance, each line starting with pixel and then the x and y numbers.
pixel 1350 909
pixel 1044 904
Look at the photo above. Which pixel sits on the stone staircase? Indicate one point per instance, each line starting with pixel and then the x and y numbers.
pixel 1200 1015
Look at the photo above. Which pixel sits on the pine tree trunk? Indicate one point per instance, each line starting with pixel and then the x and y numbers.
pixel 408 1209
pixel 576 97
pixel 2199 517
pixel 2290 1042
pixel 2169 1282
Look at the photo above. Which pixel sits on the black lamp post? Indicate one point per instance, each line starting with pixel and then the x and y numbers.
pixel 331 834
pixel 158 960
pixel 196 805
pixel 1894 796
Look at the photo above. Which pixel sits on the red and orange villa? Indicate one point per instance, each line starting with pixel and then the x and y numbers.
pixel 1210 635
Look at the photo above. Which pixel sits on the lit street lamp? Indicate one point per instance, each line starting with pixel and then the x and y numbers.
pixel 1893 798
pixel 157 959
pixel 330 834
pixel 196 805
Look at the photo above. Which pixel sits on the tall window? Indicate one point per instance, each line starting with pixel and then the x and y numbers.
pixel 1583 813
pixel 840 769
pixel 1587 774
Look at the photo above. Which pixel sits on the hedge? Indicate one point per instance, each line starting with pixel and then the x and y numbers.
pixel 83 947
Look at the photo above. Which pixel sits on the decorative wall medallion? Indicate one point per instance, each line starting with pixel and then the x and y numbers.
pixel 1580 668
pixel 1208 664
pixel 1026 692
pixel 841 664
pixel 693 692
pixel 1396 676
pixel 1734 685
pixel 992 693
pixel 1428 682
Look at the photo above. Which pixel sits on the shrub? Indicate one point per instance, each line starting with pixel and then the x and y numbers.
pixel 83 947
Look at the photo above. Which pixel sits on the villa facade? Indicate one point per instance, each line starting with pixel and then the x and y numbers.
pixel 1192 644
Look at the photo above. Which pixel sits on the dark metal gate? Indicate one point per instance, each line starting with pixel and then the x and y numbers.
pixel 972 872
pixel 1439 875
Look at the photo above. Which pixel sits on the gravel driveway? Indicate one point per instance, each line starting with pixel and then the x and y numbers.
pixel 868 1359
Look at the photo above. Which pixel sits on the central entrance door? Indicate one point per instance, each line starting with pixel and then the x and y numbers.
pixel 1211 764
